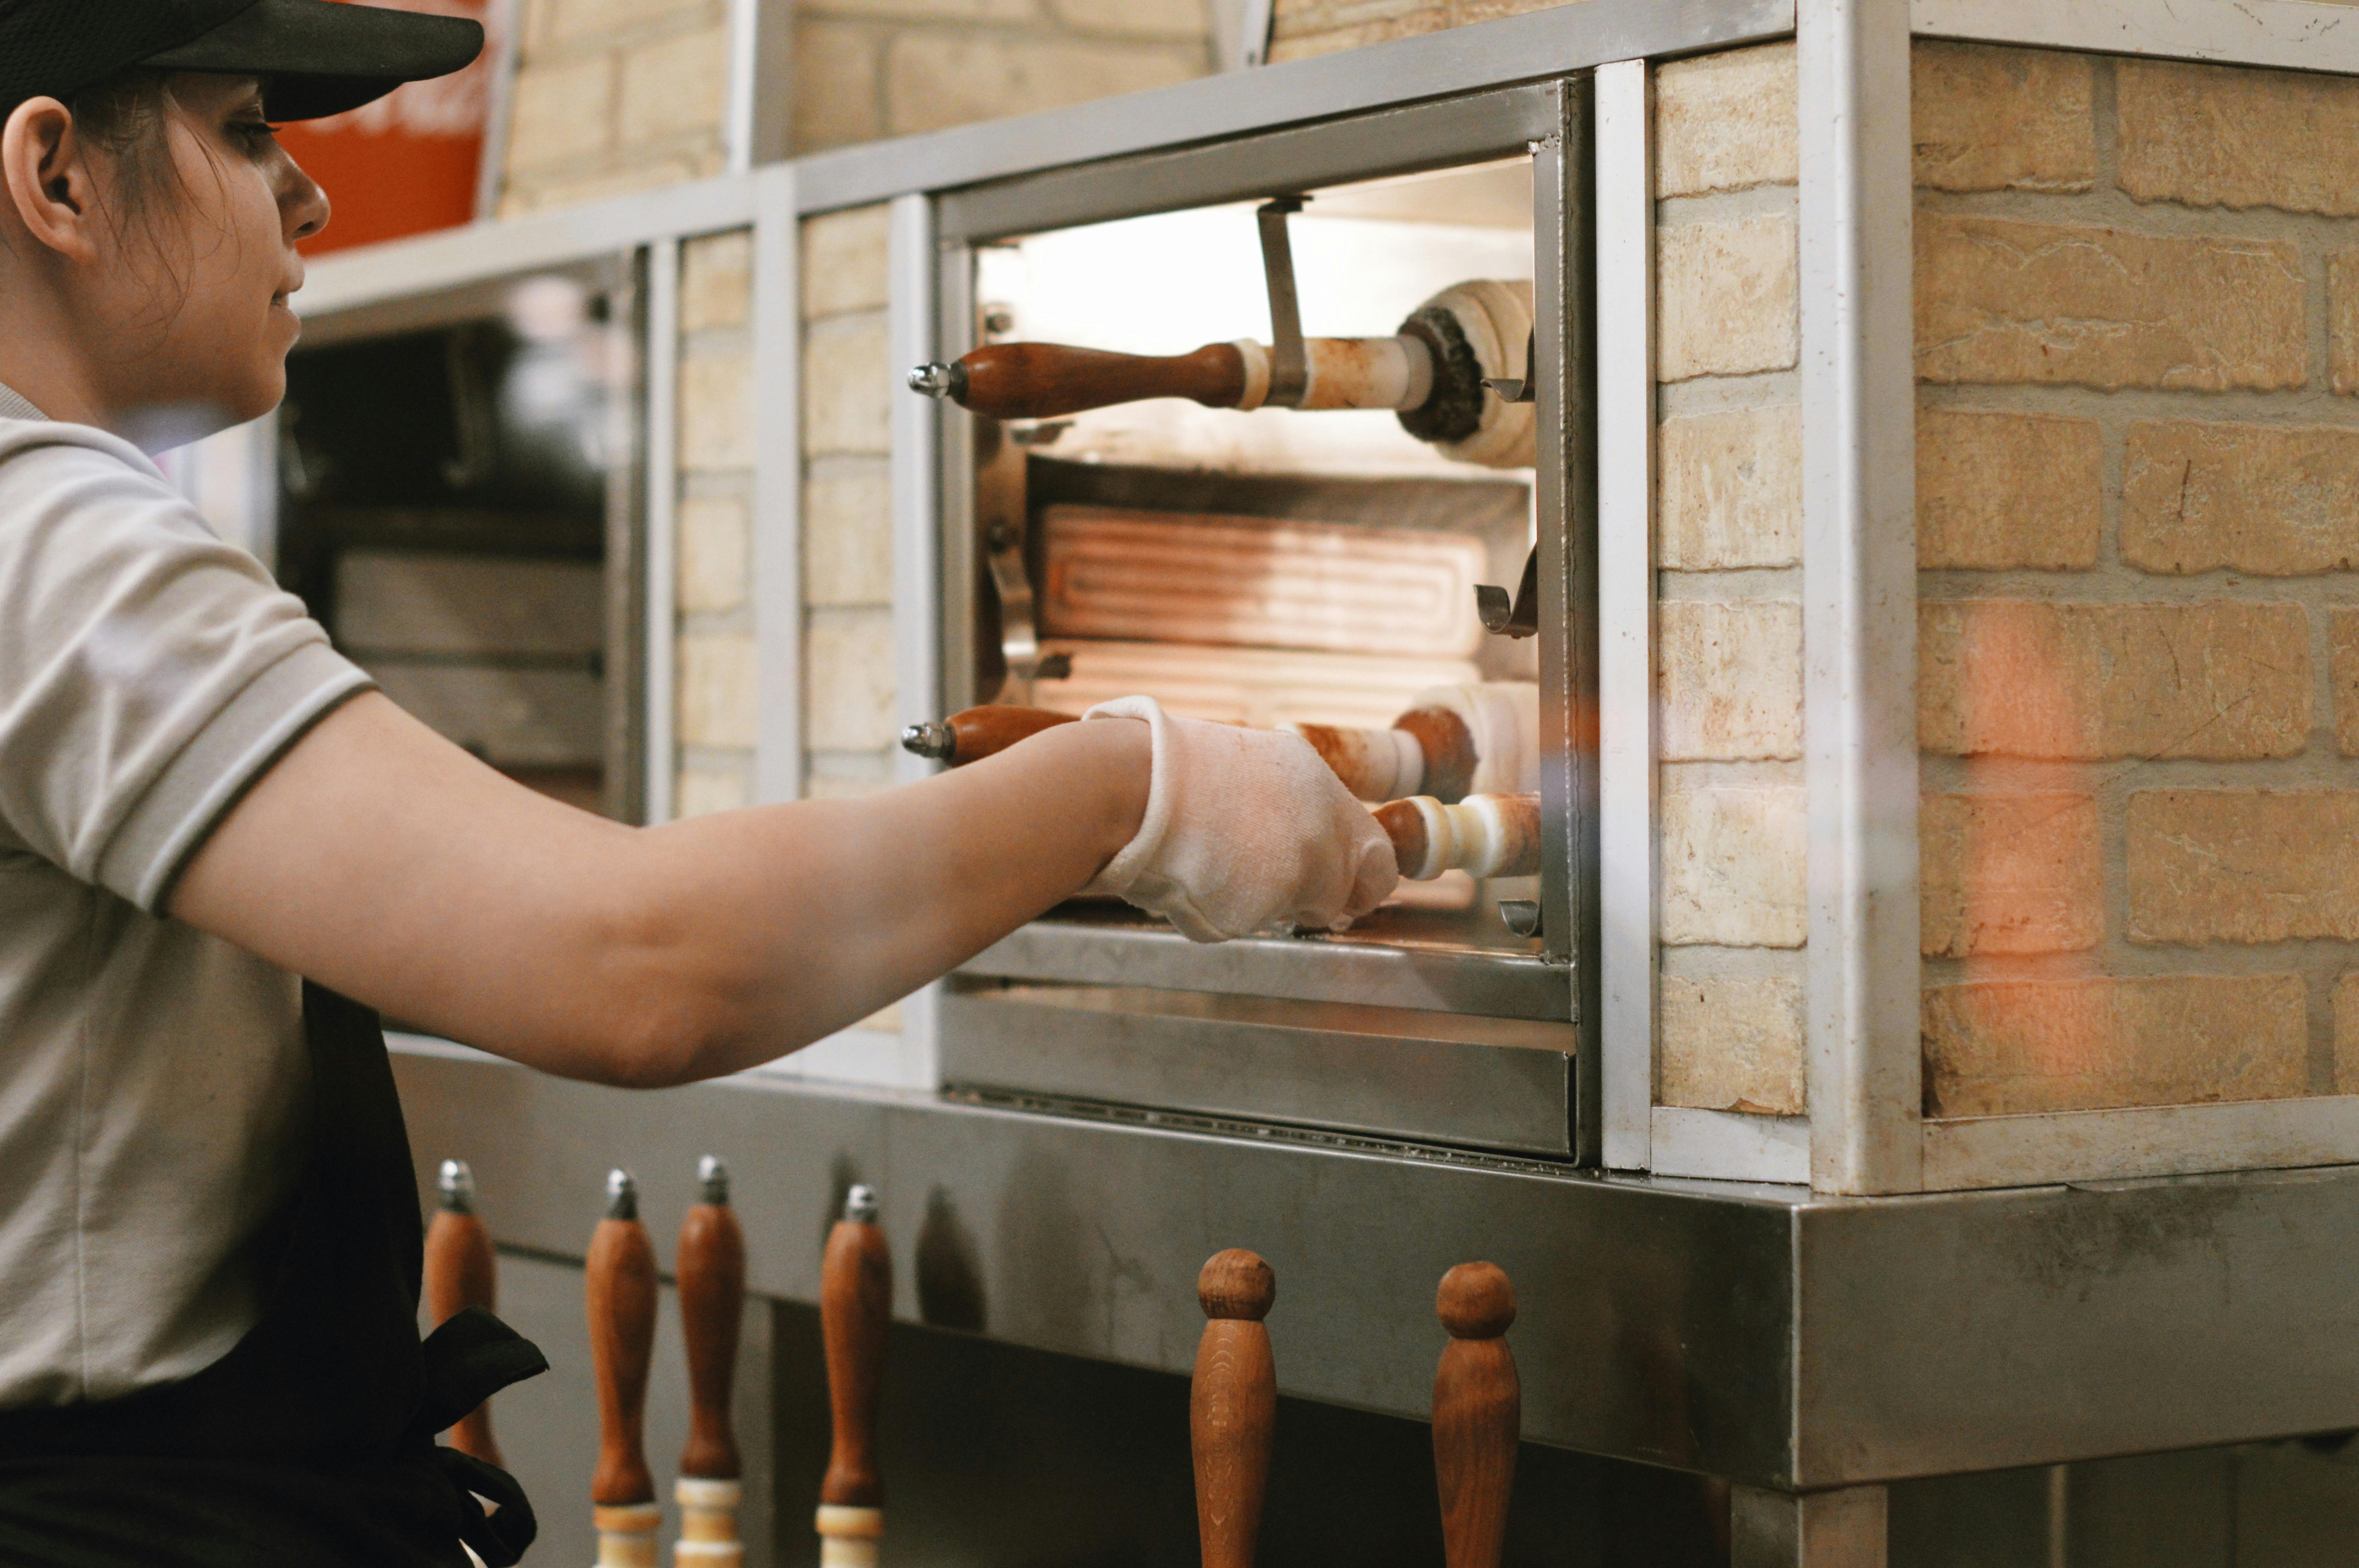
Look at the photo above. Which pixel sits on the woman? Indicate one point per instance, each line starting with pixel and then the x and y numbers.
pixel 208 1231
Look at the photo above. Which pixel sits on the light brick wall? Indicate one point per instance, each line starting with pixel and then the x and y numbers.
pixel 1300 29
pixel 848 690
pixel 1728 543
pixel 865 69
pixel 2137 465
pixel 613 96
pixel 717 671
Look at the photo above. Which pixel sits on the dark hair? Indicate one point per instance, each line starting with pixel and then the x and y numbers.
pixel 127 116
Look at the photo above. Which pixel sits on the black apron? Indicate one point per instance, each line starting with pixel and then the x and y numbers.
pixel 312 1441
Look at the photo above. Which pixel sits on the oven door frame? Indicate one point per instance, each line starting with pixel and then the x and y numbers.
pixel 987 1045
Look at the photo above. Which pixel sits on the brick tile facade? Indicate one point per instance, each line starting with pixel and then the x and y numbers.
pixel 613 97
pixel 2001 119
pixel 2009 1047
pixel 2092 682
pixel 1728 541
pixel 1999 300
pixel 2131 351
pixel 849 694
pixel 2001 491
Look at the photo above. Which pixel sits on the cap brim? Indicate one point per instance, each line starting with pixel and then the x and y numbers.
pixel 320 56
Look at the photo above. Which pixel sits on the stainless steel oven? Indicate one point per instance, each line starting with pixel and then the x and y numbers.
pixel 1291 565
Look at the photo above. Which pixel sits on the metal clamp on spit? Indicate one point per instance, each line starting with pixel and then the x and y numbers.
pixel 1437 372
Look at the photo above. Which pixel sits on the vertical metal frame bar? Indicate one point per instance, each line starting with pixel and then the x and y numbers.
pixel 1625 611
pixel 960 562
pixel 623 752
pixel 911 334
pixel 658 702
pixel 757 127
pixel 1859 591
pixel 1845 1529
pixel 778 487
pixel 507 19
pixel 1566 480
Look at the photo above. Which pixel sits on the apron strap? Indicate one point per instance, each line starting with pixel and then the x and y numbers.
pixel 470 1358
pixel 500 1536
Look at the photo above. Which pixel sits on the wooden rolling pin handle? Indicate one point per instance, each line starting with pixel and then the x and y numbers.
pixel 461 1272
pixel 855 1308
pixel 1045 380
pixel 1478 1414
pixel 975 733
pixel 621 1285
pixel 1233 1406
pixel 712 1310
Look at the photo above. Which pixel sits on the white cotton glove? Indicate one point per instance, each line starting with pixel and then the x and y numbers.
pixel 1244 830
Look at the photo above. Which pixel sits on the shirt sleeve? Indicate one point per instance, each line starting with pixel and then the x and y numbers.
pixel 149 672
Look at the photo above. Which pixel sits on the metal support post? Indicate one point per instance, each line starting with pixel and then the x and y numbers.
pixel 1807 1529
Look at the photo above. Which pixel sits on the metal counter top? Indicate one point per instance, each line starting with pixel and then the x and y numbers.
pixel 1758 1333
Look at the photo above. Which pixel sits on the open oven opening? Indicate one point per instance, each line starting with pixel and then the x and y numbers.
pixel 445 495
pixel 1284 566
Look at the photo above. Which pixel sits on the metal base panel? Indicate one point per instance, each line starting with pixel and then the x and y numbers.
pixel 1436 1077
pixel 1759 1333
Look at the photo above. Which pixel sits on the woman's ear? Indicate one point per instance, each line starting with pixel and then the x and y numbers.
pixel 47 178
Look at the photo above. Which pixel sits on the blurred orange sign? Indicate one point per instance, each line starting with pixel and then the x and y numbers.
pixel 410 162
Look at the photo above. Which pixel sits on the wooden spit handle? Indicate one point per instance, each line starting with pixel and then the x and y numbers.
pixel 979 732
pixel 1478 1414
pixel 461 1272
pixel 1233 1406
pixel 1043 381
pixel 620 1280
pixel 712 1310
pixel 855 1308
pixel 1482 835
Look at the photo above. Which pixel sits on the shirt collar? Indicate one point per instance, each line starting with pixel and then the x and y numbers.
pixel 12 404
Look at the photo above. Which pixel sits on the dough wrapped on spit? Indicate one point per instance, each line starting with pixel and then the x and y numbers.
pixel 1455 741
pixel 1432 372
pixel 1482 835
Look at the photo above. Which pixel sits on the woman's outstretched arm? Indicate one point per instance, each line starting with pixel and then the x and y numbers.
pixel 382 860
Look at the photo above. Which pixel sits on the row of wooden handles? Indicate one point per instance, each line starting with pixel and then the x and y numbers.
pixel 621 1293
pixel 1232 1403
pixel 1233 1410
pixel 1482 835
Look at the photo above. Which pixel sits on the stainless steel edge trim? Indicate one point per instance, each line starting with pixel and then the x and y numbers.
pixel 2285 33
pixel 1083 1236
pixel 659 538
pixel 1532 48
pixel 1759 1333
pixel 1498 985
pixel 1432 1077
pixel 1396 140
pixel 1565 476
pixel 1625 613
pixel 405 269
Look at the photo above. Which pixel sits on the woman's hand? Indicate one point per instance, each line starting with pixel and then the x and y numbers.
pixel 1245 829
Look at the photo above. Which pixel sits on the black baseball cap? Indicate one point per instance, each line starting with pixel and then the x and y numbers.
pixel 315 57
